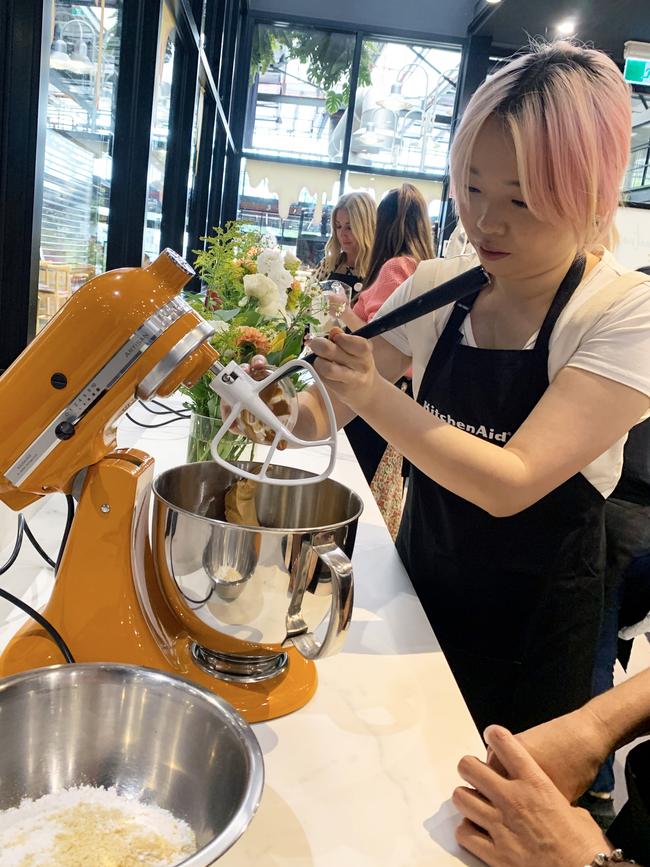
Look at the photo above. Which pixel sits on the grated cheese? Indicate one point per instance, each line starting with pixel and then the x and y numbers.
pixel 84 826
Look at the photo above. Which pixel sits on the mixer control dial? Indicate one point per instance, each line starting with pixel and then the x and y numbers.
pixel 64 430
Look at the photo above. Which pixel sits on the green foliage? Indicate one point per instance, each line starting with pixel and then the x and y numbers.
pixel 219 264
pixel 327 55
pixel 230 254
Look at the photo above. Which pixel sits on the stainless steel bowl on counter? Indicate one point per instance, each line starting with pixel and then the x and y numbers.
pixel 285 582
pixel 154 737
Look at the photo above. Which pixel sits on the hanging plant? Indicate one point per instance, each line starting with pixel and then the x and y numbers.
pixel 328 58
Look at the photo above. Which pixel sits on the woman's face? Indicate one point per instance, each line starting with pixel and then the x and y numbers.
pixel 510 241
pixel 344 235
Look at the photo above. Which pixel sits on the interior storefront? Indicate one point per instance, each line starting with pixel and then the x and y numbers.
pixel 327 110
pixel 175 285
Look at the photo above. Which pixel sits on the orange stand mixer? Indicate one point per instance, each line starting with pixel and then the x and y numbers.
pixel 125 335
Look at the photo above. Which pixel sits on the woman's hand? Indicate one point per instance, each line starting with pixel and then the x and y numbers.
pixel 337 302
pixel 521 819
pixel 276 399
pixel 347 367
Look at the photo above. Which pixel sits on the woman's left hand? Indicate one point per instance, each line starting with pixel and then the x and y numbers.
pixel 337 302
pixel 347 367
pixel 521 820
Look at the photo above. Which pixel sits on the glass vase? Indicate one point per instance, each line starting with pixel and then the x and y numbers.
pixel 203 429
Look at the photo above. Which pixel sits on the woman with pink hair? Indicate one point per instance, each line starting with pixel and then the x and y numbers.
pixel 524 392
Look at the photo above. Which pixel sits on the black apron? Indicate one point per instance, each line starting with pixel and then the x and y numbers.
pixel 515 602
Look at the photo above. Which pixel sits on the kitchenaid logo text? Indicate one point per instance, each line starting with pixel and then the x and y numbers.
pixel 480 430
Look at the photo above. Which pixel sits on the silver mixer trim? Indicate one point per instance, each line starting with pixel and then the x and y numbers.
pixel 150 330
pixel 238 668
pixel 155 378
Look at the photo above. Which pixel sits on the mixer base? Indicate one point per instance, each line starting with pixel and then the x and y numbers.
pixel 108 606
pixel 32 648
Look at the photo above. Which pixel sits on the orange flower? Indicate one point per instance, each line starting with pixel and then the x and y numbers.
pixel 253 337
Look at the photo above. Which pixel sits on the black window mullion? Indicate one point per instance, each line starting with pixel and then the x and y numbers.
pixel 212 128
pixel 179 143
pixel 134 104
pixel 24 42
pixel 474 65
pixel 354 78
pixel 236 115
pixel 222 56
pixel 198 204
pixel 215 20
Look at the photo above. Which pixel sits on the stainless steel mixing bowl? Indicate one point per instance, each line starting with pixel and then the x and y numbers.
pixel 287 581
pixel 154 737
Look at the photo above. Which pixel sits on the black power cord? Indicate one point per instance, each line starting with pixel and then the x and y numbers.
pixel 34 614
pixel 22 531
pixel 66 532
pixel 35 544
pixel 166 410
pixel 160 424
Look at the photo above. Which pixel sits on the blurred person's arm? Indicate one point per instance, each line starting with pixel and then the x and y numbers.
pixel 571 748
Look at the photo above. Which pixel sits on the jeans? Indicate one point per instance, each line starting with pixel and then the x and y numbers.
pixel 603 679
pixel 628 546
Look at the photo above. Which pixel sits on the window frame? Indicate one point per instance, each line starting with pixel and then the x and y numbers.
pixel 343 166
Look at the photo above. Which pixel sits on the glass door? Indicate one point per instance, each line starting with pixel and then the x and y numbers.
pixel 83 73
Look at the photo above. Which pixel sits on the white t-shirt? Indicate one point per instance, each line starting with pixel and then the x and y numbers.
pixel 612 339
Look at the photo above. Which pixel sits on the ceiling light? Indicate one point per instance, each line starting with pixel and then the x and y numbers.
pixel 59 54
pixel 567 27
pixel 395 101
pixel 493 2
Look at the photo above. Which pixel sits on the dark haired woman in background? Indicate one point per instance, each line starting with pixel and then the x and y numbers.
pixel 402 240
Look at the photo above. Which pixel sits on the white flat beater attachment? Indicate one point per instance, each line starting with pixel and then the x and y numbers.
pixel 239 391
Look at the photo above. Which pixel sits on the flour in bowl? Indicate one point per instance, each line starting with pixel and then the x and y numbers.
pixel 84 826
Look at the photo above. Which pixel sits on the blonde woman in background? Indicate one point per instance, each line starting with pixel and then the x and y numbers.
pixel 347 252
pixel 403 238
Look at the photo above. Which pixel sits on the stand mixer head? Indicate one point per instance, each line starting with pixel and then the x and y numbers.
pixel 122 336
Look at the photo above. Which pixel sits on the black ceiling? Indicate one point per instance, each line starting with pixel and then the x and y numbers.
pixel 608 24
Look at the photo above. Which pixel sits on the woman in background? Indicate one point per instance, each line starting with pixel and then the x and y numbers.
pixel 402 241
pixel 347 252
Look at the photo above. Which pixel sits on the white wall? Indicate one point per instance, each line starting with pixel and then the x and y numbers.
pixel 440 17
pixel 633 225
pixel 8 524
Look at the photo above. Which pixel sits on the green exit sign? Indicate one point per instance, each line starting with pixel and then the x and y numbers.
pixel 637 71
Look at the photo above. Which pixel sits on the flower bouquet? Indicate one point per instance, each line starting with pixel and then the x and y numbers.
pixel 258 304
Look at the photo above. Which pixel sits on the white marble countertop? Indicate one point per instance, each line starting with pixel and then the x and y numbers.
pixel 361 776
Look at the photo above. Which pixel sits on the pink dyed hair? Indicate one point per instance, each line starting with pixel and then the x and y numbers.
pixel 569 113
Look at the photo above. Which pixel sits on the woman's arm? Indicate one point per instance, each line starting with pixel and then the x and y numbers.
pixel 579 417
pixel 350 318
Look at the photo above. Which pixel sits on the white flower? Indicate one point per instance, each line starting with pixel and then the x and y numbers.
pixel 271 264
pixel 272 300
pixel 281 277
pixel 219 326
pixel 259 286
pixel 290 260
pixel 268 259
